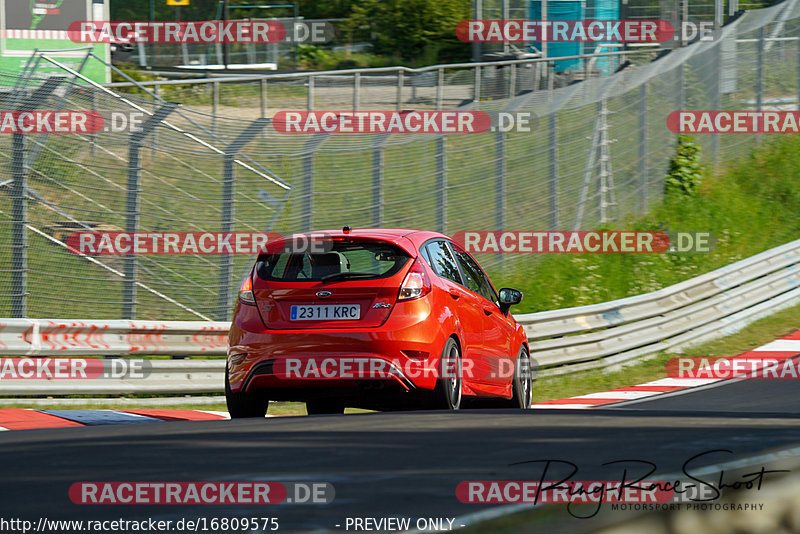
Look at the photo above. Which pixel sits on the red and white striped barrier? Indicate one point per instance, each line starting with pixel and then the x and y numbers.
pixel 784 348
pixel 52 337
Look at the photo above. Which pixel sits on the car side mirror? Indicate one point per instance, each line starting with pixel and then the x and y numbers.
pixel 509 297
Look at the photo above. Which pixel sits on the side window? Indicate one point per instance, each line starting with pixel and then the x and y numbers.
pixel 474 279
pixel 441 260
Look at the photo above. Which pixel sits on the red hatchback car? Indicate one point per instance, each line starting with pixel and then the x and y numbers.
pixel 377 319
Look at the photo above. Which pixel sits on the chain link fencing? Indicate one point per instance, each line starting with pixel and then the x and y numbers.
pixel 597 153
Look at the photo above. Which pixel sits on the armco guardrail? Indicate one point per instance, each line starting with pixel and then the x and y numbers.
pixel 586 337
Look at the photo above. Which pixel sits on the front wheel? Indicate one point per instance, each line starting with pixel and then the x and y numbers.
pixel 522 386
pixel 242 404
pixel 447 393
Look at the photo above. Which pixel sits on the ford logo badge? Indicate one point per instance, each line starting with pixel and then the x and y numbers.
pixel 323 293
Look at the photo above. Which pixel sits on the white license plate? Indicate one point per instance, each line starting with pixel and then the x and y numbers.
pixel 327 312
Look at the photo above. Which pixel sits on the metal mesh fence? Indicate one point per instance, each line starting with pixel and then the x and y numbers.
pixel 211 164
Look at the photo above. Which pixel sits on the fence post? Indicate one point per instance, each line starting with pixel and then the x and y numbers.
pixel 228 183
pixel 310 97
pixel 439 88
pixel 716 101
pixel 441 183
pixel 760 78
pixel 377 185
pixel 19 236
pixel 643 148
pixel 20 163
pixel 263 97
pixel 132 205
pixel 93 136
pixel 399 90
pixel 356 90
pixel 553 182
pixel 512 81
pixel 154 148
pixel 307 194
pixel 500 182
pixel 214 106
pixel 476 95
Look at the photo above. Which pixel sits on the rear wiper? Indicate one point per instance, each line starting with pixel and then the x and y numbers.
pixel 337 276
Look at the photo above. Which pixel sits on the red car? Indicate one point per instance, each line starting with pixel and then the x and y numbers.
pixel 377 319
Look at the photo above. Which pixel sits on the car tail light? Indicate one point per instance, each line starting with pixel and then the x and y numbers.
pixel 246 291
pixel 416 284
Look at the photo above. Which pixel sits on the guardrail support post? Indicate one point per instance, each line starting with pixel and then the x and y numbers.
pixel 643 148
pixel 226 260
pixel 441 183
pixel 132 207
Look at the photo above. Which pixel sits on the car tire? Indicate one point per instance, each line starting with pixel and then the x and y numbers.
pixel 324 406
pixel 447 393
pixel 242 405
pixel 522 383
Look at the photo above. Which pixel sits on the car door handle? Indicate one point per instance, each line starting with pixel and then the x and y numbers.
pixel 454 295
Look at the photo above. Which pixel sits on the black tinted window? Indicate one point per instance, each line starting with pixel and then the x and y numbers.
pixel 345 260
pixel 474 279
pixel 441 260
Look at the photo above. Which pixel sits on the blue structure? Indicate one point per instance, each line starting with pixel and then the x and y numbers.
pixel 576 10
pixel 603 10
pixel 560 10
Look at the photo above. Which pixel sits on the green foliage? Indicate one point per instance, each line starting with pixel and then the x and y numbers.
pixel 135 73
pixel 685 172
pixel 417 30
pixel 750 207
pixel 312 57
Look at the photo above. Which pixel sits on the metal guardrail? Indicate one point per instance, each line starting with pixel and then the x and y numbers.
pixel 601 335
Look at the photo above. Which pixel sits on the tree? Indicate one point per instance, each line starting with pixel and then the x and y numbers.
pixel 421 31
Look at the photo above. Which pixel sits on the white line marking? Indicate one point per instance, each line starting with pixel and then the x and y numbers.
pixel 617 395
pixel 781 345
pixel 562 406
pixel 681 382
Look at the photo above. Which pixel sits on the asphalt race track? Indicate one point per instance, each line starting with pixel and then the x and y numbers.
pixel 388 464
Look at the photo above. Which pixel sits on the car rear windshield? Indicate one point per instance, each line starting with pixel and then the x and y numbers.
pixel 342 260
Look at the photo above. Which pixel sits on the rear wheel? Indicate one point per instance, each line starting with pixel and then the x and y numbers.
pixel 447 394
pixel 324 406
pixel 522 386
pixel 242 404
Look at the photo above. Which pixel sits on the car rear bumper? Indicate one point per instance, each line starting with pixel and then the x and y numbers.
pixel 402 354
